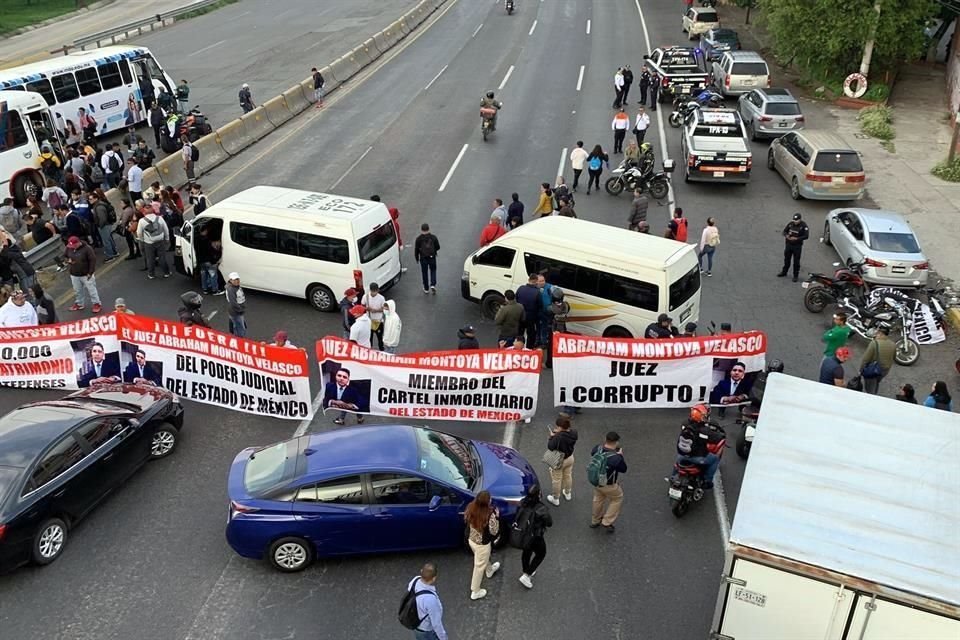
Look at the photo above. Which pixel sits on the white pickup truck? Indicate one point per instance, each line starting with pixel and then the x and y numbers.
pixel 848 521
pixel 715 147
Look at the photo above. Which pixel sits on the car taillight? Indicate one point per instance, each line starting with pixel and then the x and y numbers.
pixel 768 82
pixel 358 279
pixel 923 266
pixel 869 262
pixel 726 82
pixel 800 118
pixel 749 163
pixel 765 118
pixel 810 177
pixel 859 178
pixel 691 160
pixel 236 507
pixel 664 82
pixel 3 530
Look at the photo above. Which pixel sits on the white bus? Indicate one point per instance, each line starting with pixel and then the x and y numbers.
pixel 115 85
pixel 25 124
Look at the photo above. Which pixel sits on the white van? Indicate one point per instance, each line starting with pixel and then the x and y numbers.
pixel 297 243
pixel 616 281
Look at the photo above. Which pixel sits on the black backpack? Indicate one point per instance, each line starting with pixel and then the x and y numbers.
pixel 194 153
pixel 113 162
pixel 408 615
pixel 428 249
pixel 111 213
pixel 522 529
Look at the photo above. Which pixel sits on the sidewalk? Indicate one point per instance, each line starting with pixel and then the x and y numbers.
pixel 36 44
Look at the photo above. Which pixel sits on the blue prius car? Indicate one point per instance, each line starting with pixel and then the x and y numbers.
pixel 365 490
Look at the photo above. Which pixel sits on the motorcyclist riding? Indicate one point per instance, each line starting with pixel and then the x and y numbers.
pixel 692 442
pixel 488 102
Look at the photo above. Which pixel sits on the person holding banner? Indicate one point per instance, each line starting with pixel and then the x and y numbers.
pixel 102 368
pixel 340 395
pixel 362 329
pixel 139 372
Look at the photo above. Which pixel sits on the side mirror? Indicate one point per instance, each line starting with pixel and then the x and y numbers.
pixel 435 503
pixel 473 259
pixel 646 57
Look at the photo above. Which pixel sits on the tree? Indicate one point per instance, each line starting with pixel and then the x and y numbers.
pixel 746 4
pixel 831 34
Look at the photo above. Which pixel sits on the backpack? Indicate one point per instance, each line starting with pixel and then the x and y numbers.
pixel 84 225
pixel 408 615
pixel 96 173
pixel 681 229
pixel 597 467
pixel 54 200
pixel 200 204
pixel 521 531
pixel 48 166
pixel 113 163
pixel 428 249
pixel 152 228
pixel 111 213
pixel 194 153
pixel 596 163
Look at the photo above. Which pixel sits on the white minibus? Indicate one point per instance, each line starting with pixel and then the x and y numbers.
pixel 25 125
pixel 616 281
pixel 296 243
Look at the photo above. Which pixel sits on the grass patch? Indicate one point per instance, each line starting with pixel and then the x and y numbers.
pixel 877 122
pixel 203 10
pixel 16 14
pixel 949 171
pixel 888 145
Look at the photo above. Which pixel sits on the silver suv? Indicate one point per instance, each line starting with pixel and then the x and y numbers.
pixel 770 113
pixel 738 72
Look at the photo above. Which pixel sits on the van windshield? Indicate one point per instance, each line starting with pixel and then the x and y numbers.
pixel 684 287
pixel 376 243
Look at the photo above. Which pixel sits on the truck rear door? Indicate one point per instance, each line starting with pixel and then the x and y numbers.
pixel 876 619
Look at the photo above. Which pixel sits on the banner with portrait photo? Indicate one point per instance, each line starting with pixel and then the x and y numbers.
pixel 215 368
pixel 68 355
pixel 652 374
pixel 482 385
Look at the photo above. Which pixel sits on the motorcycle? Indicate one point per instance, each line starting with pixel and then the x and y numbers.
pixel 624 177
pixel 686 484
pixel 894 315
pixel 487 114
pixel 685 105
pixel 823 290
pixel 509 6
pixel 194 125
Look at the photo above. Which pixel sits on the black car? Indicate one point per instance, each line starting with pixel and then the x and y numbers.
pixel 59 458
pixel 716 41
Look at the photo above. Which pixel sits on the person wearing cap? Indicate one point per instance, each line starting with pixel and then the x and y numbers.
pixel 662 328
pixel 246 98
pixel 236 305
pixel 280 340
pixel 120 306
pixel 831 368
pixel 17 312
pixel 794 235
pixel 360 330
pixel 467 335
pixel 346 304
pixel 690 330
pixel 82 262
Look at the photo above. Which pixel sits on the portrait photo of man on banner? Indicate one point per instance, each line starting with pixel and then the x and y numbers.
pixel 345 396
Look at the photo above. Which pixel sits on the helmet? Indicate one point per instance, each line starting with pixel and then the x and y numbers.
pixel 775 366
pixel 699 413
pixel 556 294
pixel 490 94
pixel 192 299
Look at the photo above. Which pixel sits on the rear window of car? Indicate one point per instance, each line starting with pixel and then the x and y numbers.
pixel 270 467
pixel 718 131
pixel 894 242
pixel 707 16
pixel 8 476
pixel 376 243
pixel 783 109
pixel 841 162
pixel 749 69
pixel 726 37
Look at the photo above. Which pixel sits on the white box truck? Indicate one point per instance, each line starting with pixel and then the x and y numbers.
pixel 848 522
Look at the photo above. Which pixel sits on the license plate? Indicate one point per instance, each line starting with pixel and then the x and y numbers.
pixel 718 174
pixel 783 124
pixel 805 285
pixel 748 83
pixel 676 493
pixel 837 179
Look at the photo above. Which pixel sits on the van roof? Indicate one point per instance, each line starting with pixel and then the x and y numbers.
pixel 601 240
pixel 745 56
pixel 281 202
pixel 824 140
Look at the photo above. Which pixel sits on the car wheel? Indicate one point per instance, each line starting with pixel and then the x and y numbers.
pixel 164 441
pixel 617 332
pixel 795 189
pixel 290 554
pixel 321 298
pixel 826 234
pixel 25 185
pixel 771 164
pixel 49 541
pixel 490 305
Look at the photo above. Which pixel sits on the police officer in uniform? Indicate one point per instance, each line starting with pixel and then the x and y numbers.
pixel 794 235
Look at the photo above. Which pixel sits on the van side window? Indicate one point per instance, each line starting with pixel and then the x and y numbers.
pixel 323 248
pixel 628 291
pixel 12 133
pixel 65 87
pixel 497 257
pixel 254 236
pixel 620 289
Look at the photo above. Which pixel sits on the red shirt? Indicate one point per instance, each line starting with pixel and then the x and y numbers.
pixel 395 216
pixel 490 233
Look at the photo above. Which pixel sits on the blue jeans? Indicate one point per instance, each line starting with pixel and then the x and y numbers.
pixel 238 326
pixel 208 277
pixel 710 463
pixel 707 251
pixel 428 264
pixel 425 635
pixel 106 234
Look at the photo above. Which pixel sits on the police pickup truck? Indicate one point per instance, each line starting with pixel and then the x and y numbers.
pixel 715 146
pixel 682 70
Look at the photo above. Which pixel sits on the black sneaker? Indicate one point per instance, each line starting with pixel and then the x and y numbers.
pixel 782 274
pixel 610 528
pixel 794 278
pixel 594 526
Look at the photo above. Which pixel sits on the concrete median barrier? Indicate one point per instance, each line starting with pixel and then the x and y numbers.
pixel 387 38
pixel 171 170
pixel 366 53
pixel 151 175
pixel 115 197
pixel 402 26
pixel 345 67
pixel 276 111
pixel 211 151
pixel 257 124
pixel 233 137
pixel 297 99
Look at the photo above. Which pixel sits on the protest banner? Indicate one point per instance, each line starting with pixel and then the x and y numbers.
pixel 70 355
pixel 484 385
pixel 652 374
pixel 215 368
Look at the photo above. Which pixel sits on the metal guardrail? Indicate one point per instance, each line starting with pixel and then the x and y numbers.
pixel 155 21
pixel 45 254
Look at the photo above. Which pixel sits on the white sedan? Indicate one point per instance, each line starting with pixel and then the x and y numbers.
pixel 882 240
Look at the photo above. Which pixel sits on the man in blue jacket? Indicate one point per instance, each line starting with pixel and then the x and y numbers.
pixel 528 296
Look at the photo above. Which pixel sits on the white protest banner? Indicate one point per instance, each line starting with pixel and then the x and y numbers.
pixel 215 368
pixel 925 328
pixel 649 374
pixel 483 385
pixel 70 355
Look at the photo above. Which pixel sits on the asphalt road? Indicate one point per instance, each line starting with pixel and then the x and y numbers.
pixel 152 562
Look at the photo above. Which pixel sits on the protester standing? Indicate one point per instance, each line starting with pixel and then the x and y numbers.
pixel 638 210
pixel 514 211
pixel 154 236
pixel 627 83
pixel 493 230
pixel 939 397
pixel 157 121
pixel 563 439
pixel 877 360
pixel 794 234
pixel 578 157
pixel 467 336
pixel 134 180
pixel 17 312
pixel 831 367
pixel 46 308
pixel 528 296
pixel 374 303
pixel 677 227
pixel 535 549
pixel 545 202
pixel 620 124
pixel 236 306
pixel 429 607
pixel 709 240
pixel 318 83
pixel 907 394
pixel 425 254
pixel 189 155
pixel 347 303
pixel 483 520
pixel 391 327
pixel 183 97
pixel 608 497
pixel 836 336
pixel 105 217
pixel 509 318
pixel 83 263
pixel 595 162
pixel 360 330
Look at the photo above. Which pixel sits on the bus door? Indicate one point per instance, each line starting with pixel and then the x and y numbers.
pixel 150 78
pixel 46 132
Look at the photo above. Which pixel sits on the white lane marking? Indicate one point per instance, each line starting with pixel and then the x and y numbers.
pixel 443 185
pixel 206 48
pixel 305 423
pixel 429 84
pixel 671 200
pixel 720 500
pixel 588 26
pixel 510 435
pixel 580 77
pixel 477 31
pixel 506 77
pixel 533 27
pixel 563 162
pixel 349 169
pixel 240 15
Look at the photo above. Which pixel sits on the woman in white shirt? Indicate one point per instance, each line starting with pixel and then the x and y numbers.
pixel 709 240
